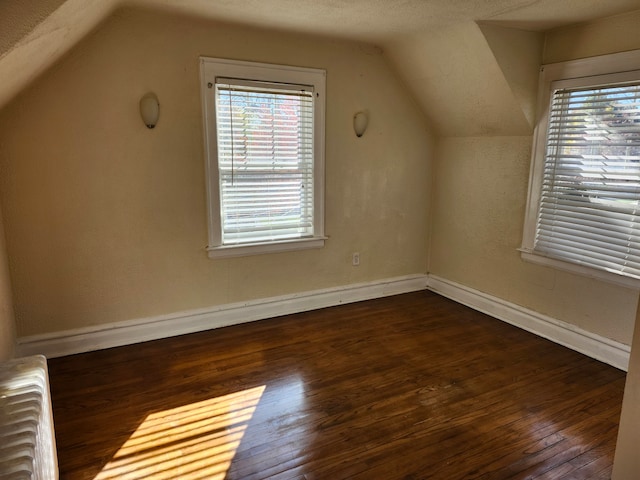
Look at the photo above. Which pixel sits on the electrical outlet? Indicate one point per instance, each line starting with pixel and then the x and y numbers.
pixel 355 259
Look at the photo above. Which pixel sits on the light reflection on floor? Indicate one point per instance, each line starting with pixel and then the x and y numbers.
pixel 197 441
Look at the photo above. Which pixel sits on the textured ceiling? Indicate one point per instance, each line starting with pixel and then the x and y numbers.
pixel 380 20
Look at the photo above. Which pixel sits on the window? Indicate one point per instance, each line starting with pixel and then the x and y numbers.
pixel 584 196
pixel 264 129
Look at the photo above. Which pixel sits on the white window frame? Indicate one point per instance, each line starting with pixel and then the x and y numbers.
pixel 610 69
pixel 210 70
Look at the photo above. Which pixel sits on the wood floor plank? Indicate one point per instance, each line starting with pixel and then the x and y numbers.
pixel 407 387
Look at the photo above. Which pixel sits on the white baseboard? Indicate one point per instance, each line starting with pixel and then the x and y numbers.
pixel 152 328
pixel 601 348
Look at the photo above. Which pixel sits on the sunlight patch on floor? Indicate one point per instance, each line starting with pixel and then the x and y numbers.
pixel 195 441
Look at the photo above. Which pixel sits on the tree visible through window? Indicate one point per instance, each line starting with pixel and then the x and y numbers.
pixel 265 156
pixel 265 159
pixel 588 198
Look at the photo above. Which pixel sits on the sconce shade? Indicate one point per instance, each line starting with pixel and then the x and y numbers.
pixel 360 122
pixel 149 109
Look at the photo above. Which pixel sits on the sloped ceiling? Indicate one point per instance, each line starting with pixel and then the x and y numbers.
pixel 462 87
pixel 461 74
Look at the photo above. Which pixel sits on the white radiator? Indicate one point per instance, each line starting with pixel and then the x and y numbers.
pixel 27 441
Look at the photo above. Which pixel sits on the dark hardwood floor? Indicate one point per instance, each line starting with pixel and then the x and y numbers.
pixel 407 387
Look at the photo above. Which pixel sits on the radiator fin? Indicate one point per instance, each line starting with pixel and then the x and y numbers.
pixel 27 441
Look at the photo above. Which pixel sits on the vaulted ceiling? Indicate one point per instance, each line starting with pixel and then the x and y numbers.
pixel 450 53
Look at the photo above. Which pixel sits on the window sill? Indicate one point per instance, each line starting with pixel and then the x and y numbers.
pixel 269 247
pixel 609 277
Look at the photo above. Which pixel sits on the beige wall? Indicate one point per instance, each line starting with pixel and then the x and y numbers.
pixel 454 76
pixel 627 461
pixel 480 191
pixel 480 188
pixel 105 220
pixel 614 34
pixel 35 34
pixel 7 324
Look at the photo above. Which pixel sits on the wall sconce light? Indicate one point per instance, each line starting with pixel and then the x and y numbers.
pixel 360 122
pixel 149 109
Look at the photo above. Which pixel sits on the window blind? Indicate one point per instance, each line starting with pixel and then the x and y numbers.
pixel 265 160
pixel 589 208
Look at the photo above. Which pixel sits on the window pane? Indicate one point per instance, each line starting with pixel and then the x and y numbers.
pixel 591 180
pixel 265 161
